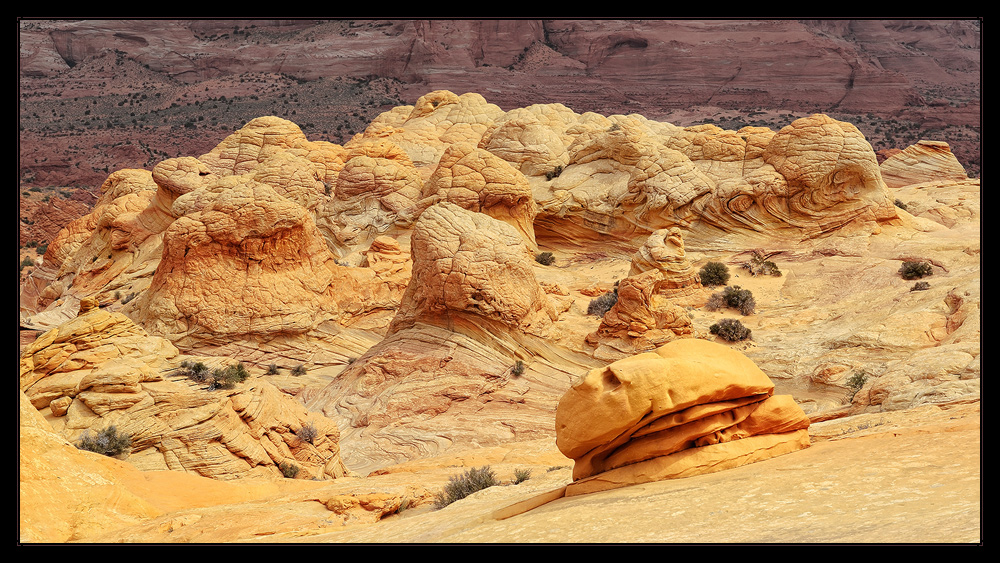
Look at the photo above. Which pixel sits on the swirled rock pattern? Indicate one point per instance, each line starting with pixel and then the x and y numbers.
pixel 924 161
pixel 101 369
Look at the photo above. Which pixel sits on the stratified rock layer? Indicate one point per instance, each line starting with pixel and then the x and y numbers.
pixel 689 407
pixel 924 161
pixel 101 369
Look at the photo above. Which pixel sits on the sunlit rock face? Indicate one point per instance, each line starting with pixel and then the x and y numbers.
pixel 689 407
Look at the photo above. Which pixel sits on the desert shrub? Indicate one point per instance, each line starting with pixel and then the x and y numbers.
pixel 900 204
pixel 715 302
pixel 521 475
pixel 759 265
pixel 518 369
pixel 299 370
pixel 227 378
pixel 730 329
pixel 855 383
pixel 26 262
pixel 602 304
pixel 109 442
pixel 920 286
pixel 740 299
pixel 307 433
pixel 196 371
pixel 289 470
pixel 272 369
pixel 545 258
pixel 915 270
pixel 464 485
pixel 554 173
pixel 733 296
pixel 714 273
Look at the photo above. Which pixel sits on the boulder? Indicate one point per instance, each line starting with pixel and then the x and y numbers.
pixel 687 408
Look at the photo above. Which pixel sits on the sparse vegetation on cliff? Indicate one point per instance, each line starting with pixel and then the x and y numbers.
pixel 759 265
pixel 307 433
pixel 855 383
pixel 228 377
pixel 110 442
pixel 545 258
pixel 473 480
pixel 289 470
pixel 601 305
pixel 915 270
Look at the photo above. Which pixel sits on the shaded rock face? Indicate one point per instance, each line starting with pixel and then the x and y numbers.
pixel 689 407
pixel 101 369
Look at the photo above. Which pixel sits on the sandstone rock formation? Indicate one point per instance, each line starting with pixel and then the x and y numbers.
pixel 399 271
pixel 650 310
pixel 472 313
pixel 922 162
pixel 689 407
pixel 101 369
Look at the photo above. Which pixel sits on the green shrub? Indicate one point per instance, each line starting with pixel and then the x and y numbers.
pixel 109 442
pixel 759 265
pixel 714 273
pixel 554 173
pixel 227 378
pixel 730 329
pixel 521 475
pixel 196 371
pixel 299 370
pixel 915 270
pixel 602 304
pixel 464 485
pixel 920 286
pixel 733 296
pixel 855 383
pixel 272 370
pixel 518 369
pixel 26 262
pixel 740 299
pixel 289 470
pixel 545 258
pixel 900 204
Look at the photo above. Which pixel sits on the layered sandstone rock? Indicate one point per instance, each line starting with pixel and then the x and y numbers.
pixel 467 263
pixel 924 161
pixel 472 313
pixel 690 407
pixel 101 369
pixel 247 262
pixel 95 255
pixel 375 191
pixel 650 307
pixel 435 121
